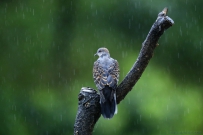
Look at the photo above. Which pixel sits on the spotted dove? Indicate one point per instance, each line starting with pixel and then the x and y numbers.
pixel 106 74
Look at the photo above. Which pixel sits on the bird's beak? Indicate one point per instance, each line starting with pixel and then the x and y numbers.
pixel 95 54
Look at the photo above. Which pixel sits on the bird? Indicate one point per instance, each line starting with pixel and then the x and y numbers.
pixel 106 76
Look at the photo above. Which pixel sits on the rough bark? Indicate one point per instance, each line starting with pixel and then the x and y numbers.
pixel 89 107
pixel 162 23
pixel 88 111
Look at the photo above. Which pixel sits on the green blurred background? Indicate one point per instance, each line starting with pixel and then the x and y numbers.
pixel 46 56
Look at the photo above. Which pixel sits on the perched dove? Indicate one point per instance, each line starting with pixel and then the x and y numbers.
pixel 106 74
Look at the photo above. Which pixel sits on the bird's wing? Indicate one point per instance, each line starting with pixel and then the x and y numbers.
pixel 109 76
pixel 106 75
pixel 98 75
pixel 113 76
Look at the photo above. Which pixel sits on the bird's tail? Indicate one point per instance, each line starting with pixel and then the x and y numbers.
pixel 108 102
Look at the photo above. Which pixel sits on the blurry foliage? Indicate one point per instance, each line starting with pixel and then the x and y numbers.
pixel 46 56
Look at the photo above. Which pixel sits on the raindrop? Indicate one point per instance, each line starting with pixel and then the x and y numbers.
pixel 122 54
pixel 129 26
pixel 91 6
pixel 197 28
pixel 180 31
pixel 129 101
pixel 14 117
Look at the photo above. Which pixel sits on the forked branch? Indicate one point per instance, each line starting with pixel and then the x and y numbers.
pixel 89 107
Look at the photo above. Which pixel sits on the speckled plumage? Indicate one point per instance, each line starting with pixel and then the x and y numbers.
pixel 106 75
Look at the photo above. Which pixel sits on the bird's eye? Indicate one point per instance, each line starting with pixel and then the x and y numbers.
pixel 99 51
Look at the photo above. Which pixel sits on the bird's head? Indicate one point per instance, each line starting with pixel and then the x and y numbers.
pixel 102 52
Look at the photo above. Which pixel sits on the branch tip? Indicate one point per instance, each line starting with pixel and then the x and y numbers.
pixel 165 10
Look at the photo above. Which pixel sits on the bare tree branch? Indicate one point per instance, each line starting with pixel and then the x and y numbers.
pixel 88 111
pixel 89 107
pixel 162 23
